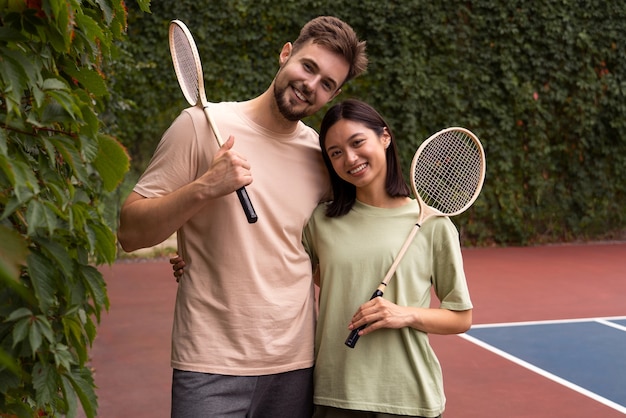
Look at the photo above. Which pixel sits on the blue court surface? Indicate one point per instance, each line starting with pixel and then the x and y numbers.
pixel 586 355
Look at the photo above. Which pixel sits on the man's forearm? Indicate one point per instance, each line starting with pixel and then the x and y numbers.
pixel 145 222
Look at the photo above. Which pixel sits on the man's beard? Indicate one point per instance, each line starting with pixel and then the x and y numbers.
pixel 285 108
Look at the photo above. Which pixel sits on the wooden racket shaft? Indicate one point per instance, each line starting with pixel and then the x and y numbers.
pixel 380 290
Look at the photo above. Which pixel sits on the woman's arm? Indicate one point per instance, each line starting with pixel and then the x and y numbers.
pixel 380 313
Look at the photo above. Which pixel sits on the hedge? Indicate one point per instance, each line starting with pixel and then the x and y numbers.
pixel 542 84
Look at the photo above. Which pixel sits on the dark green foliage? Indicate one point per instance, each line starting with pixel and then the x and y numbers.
pixel 58 172
pixel 543 85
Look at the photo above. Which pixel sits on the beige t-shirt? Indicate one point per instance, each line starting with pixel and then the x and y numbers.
pixel 245 305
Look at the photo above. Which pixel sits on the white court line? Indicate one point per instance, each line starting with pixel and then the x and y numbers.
pixel 606 322
pixel 553 321
pixel 542 372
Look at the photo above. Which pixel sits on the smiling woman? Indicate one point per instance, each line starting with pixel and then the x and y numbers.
pixel 352 241
pixel 358 157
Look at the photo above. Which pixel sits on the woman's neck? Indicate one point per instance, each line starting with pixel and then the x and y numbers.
pixel 381 200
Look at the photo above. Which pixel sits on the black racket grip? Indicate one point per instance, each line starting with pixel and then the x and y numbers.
pixel 247 205
pixel 354 335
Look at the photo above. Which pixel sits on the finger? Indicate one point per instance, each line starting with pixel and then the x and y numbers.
pixel 228 144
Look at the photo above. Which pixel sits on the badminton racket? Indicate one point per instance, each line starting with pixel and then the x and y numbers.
pixel 188 69
pixel 447 171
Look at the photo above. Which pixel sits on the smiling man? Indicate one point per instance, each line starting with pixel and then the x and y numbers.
pixel 242 340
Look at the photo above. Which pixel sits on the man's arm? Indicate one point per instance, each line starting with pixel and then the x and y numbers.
pixel 145 222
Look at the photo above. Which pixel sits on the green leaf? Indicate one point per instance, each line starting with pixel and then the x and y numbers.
pixel 39 215
pixel 34 337
pixel 71 155
pixel 103 242
pixel 82 383
pixel 14 79
pixel 90 79
pixel 42 274
pixel 45 381
pixel 19 314
pixel 96 285
pixel 70 397
pixel 144 5
pixel 55 84
pixel 62 356
pixel 59 39
pixel 13 252
pixel 58 254
pixel 22 178
pixel 91 31
pixel 66 101
pixel 45 328
pixel 112 161
pixel 26 62
pixel 73 329
pixel 20 330
pixel 11 258
pixel 107 9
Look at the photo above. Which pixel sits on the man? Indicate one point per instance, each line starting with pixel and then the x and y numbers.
pixel 242 341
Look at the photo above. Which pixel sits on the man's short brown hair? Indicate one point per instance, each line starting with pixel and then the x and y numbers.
pixel 337 36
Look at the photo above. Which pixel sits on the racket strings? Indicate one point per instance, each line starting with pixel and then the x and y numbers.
pixel 447 173
pixel 186 64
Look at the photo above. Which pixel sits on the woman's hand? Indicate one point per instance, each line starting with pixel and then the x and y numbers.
pixel 380 313
pixel 178 265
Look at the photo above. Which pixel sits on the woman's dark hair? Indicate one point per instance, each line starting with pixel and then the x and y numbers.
pixel 344 193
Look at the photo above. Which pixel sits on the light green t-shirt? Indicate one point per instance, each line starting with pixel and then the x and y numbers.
pixel 391 371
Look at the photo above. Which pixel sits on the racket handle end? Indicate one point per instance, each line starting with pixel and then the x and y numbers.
pixel 247 205
pixel 354 337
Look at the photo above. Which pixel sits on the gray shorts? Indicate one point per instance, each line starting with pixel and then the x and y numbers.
pixel 283 395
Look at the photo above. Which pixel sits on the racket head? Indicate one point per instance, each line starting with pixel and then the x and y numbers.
pixel 187 64
pixel 448 171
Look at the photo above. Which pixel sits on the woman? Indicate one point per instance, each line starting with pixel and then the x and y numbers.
pixel 352 241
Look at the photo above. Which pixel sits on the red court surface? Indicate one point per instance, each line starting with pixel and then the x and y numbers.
pixel 130 356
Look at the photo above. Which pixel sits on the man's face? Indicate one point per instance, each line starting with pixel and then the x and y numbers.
pixel 307 80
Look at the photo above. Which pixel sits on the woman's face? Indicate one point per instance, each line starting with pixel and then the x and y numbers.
pixel 357 154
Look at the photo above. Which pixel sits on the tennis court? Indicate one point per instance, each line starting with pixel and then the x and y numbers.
pixel 548 339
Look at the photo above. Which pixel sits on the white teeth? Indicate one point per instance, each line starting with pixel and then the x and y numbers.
pixel 299 95
pixel 358 169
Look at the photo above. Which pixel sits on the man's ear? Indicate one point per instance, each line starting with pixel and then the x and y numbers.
pixel 285 53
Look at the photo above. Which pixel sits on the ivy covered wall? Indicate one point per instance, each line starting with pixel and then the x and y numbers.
pixel 543 84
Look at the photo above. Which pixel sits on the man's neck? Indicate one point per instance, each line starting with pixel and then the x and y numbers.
pixel 263 111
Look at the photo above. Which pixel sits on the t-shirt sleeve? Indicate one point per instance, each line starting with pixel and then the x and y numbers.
pixel 308 240
pixel 449 278
pixel 175 161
